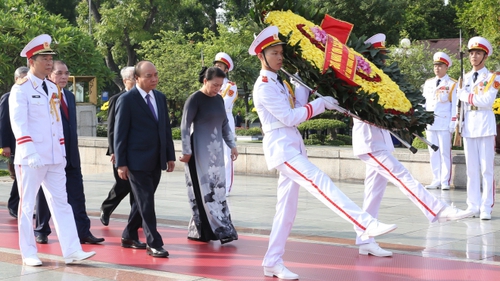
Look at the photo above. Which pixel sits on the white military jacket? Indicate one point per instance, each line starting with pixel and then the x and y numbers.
pixel 479 119
pixel 367 138
pixel 36 121
pixel 439 99
pixel 279 113
pixel 229 92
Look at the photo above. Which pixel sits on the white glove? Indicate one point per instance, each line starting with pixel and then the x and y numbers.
pixel 329 102
pixel 35 161
pixel 453 124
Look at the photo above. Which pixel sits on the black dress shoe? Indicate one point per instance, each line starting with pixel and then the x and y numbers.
pixel 42 239
pixel 157 252
pixel 104 218
pixel 12 213
pixel 91 239
pixel 134 244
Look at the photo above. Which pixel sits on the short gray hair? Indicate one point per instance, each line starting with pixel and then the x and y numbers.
pixel 20 71
pixel 127 72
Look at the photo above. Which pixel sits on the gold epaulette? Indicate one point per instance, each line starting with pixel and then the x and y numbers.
pixel 21 81
pixel 454 80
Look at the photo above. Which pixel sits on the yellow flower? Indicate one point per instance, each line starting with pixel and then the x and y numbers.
pixel 105 106
pixel 390 96
pixel 496 106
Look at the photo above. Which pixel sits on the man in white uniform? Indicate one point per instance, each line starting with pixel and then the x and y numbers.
pixel 229 93
pixel 478 92
pixel 280 112
pixel 40 154
pixel 374 146
pixel 439 92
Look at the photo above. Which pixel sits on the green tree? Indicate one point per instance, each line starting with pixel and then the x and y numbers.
pixel 480 18
pixel 179 69
pixel 72 45
pixel 64 8
pixel 430 19
pixel 119 26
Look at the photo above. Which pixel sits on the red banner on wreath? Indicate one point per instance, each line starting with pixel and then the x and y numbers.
pixel 340 59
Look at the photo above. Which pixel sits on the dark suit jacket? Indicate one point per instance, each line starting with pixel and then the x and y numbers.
pixel 111 121
pixel 70 132
pixel 141 142
pixel 7 138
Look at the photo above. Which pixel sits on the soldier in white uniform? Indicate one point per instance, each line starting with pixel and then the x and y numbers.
pixel 40 155
pixel 439 92
pixel 374 146
pixel 229 93
pixel 478 92
pixel 280 112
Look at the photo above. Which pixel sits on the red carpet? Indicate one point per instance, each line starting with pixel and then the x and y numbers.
pixel 241 260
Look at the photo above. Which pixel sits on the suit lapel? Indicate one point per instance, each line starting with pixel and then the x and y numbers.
pixel 142 103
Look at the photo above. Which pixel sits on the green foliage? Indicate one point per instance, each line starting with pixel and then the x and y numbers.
pixel 102 131
pixel 64 8
pixel 429 19
pixel 345 139
pixel 178 72
pixel 480 18
pixel 255 131
pixel 4 173
pixel 176 133
pixel 321 124
pixel 72 45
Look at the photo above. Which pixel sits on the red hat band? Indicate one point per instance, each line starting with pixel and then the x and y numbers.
pixel 31 52
pixel 480 46
pixel 226 62
pixel 266 43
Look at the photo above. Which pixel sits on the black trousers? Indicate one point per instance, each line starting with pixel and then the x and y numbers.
pixel 144 185
pixel 120 190
pixel 76 199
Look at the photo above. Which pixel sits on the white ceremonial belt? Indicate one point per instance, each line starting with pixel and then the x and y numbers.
pixel 473 108
pixel 273 126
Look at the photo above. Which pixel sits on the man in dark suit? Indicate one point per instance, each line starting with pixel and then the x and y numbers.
pixel 8 142
pixel 143 147
pixel 121 188
pixel 74 178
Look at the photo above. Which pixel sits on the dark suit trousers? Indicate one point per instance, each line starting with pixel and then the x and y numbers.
pixel 120 190
pixel 76 199
pixel 13 202
pixel 144 184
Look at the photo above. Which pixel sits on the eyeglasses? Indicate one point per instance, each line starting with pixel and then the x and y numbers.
pixel 60 73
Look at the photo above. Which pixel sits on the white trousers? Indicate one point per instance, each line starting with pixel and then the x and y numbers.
pixel 228 162
pixel 480 162
pixel 296 172
pixel 53 181
pixel 229 168
pixel 440 159
pixel 381 167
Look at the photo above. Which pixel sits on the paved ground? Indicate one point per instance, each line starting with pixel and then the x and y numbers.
pixel 470 244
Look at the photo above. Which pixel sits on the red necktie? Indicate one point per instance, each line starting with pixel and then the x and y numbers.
pixel 64 107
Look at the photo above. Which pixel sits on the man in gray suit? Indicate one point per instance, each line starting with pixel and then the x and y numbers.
pixel 143 147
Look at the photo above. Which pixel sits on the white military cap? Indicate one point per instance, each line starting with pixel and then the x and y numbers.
pixel 480 43
pixel 266 38
pixel 441 57
pixel 377 41
pixel 40 45
pixel 225 59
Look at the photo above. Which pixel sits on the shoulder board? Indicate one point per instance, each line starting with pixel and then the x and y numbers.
pixel 497 73
pixel 21 81
pixel 264 79
pixel 454 80
pixel 231 83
